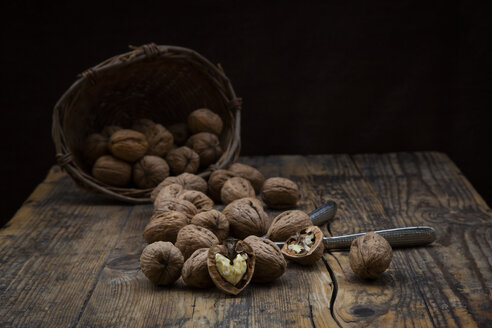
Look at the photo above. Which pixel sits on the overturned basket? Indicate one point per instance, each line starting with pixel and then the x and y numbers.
pixel 163 83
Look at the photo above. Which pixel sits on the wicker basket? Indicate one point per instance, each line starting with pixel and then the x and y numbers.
pixel 163 83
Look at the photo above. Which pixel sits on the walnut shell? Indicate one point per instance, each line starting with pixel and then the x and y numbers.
pixel 270 263
pixel 108 130
pixel 236 188
pixel 280 193
pixel 309 254
pixel 112 171
pixel 149 171
pixel 246 217
pixel 204 120
pixel 168 192
pixel 165 226
pixel 192 237
pixel 214 221
pixel 187 180
pixel 183 159
pixel 250 173
pixel 217 180
pixel 230 248
pixel 288 223
pixel 180 133
pixel 207 146
pixel 174 204
pixel 161 262
pixel 159 138
pixel 95 146
pixel 142 125
pixel 201 201
pixel 128 145
pixel 370 255
pixel 195 270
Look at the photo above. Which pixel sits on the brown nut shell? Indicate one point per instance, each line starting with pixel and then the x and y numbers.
pixel 305 257
pixel 187 180
pixel 370 255
pixel 195 270
pixel 128 145
pixel 204 120
pixel 161 262
pixel 214 221
pixel 207 146
pixel 236 188
pixel 180 133
pixel 160 140
pixel 142 125
pixel 216 180
pixel 164 226
pixel 169 192
pixel 288 223
pixel 280 193
pixel 246 217
pixel 149 171
pixel 201 201
pixel 270 264
pixel 183 159
pixel 95 146
pixel 174 204
pixel 250 173
pixel 230 248
pixel 192 237
pixel 112 171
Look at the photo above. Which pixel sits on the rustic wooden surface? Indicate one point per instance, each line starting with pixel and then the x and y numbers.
pixel 71 259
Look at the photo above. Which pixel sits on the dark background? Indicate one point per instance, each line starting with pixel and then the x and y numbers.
pixel 328 77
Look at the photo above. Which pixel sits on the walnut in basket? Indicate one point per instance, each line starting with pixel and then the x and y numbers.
pixel 207 146
pixel 128 145
pixel 112 171
pixel 204 120
pixel 149 171
pixel 95 146
pixel 183 159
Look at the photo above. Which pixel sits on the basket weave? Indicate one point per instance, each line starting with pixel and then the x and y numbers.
pixel 162 83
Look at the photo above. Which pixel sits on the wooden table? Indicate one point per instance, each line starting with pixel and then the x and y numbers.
pixel 69 258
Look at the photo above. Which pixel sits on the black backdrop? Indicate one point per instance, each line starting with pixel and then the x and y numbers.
pixel 328 77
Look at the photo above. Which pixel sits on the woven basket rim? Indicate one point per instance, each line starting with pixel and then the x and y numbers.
pixel 64 156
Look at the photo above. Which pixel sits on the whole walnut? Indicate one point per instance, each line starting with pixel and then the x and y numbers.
pixel 201 201
pixel 95 146
pixel 280 193
pixel 161 262
pixel 246 217
pixel 174 204
pixel 370 255
pixel 270 263
pixel 248 172
pixel 207 146
pixel 180 133
pixel 168 192
pixel 214 221
pixel 165 226
pixel 149 171
pixel 191 237
pixel 159 138
pixel 204 120
pixel 195 270
pixel 236 188
pixel 108 130
pixel 128 145
pixel 287 224
pixel 183 159
pixel 112 171
pixel 187 180
pixel 216 180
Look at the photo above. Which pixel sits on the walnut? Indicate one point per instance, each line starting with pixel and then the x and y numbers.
pixel 270 263
pixel 165 226
pixel 112 171
pixel 142 125
pixel 174 204
pixel 248 172
pixel 280 193
pixel 183 159
pixel 236 188
pixel 168 192
pixel 195 270
pixel 207 146
pixel 231 265
pixel 128 145
pixel 180 133
pixel 149 171
pixel 370 255
pixel 287 224
pixel 187 180
pixel 216 181
pixel 214 221
pixel 159 138
pixel 246 217
pixel 191 237
pixel 108 130
pixel 201 201
pixel 204 120
pixel 95 146
pixel 305 247
pixel 161 262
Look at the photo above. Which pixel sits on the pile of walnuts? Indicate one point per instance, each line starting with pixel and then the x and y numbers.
pixel 146 153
